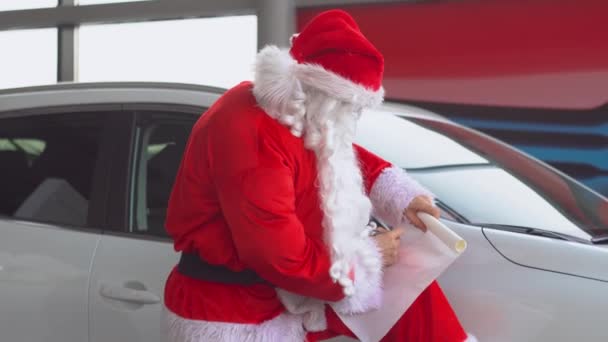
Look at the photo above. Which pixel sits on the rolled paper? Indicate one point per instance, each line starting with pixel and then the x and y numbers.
pixel 443 233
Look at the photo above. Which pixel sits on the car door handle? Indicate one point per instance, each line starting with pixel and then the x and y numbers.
pixel 126 294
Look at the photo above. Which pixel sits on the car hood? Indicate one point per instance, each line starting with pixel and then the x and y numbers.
pixel 554 255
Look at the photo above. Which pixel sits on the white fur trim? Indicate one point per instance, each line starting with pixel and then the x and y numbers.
pixel 392 192
pixel 280 85
pixel 312 310
pixel 277 89
pixel 338 87
pixel 285 327
pixel 367 292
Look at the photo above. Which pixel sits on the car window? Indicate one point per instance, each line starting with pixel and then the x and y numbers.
pixel 407 144
pixel 585 208
pixel 162 146
pixel 491 183
pixel 488 194
pixel 48 163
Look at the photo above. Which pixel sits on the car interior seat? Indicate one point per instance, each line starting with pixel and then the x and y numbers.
pixel 55 200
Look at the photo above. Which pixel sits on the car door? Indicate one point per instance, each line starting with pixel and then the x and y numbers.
pixel 134 256
pixel 50 197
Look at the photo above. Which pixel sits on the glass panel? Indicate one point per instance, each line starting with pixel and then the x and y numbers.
pixel 487 194
pixel 11 5
pixel 211 51
pixel 28 57
pixel 163 146
pixel 482 179
pixel 408 145
pixel 48 164
pixel 493 183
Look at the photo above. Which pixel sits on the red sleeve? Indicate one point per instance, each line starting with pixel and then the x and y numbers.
pixel 256 192
pixel 371 166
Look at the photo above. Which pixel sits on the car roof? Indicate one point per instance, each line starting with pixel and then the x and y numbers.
pixel 117 93
pixel 120 93
pixel 109 85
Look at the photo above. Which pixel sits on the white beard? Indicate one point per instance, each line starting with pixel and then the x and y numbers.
pixel 329 131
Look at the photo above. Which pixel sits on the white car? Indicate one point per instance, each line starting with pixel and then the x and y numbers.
pixel 86 171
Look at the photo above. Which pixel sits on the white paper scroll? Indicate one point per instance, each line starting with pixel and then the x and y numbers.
pixel 422 258
pixel 443 233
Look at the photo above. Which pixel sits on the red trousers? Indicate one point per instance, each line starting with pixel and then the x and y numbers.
pixel 429 319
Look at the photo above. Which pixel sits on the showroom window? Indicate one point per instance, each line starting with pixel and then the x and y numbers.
pixel 28 57
pixel 95 2
pixel 210 51
pixel 13 5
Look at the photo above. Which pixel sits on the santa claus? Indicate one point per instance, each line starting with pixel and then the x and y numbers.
pixel 271 205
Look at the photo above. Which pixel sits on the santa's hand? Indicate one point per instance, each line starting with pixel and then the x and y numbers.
pixel 388 244
pixel 423 204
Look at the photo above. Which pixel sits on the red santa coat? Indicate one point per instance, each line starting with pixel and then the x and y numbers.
pixel 246 196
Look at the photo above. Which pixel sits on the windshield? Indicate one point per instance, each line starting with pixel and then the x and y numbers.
pixel 483 180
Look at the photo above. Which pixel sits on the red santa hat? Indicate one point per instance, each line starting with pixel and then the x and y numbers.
pixel 333 41
pixel 331 56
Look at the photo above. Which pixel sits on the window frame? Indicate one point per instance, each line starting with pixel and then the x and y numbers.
pixel 23 37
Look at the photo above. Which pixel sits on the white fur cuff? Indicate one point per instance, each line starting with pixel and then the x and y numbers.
pixel 392 192
pixel 367 294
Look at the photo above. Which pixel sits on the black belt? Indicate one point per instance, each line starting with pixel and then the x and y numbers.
pixel 191 265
